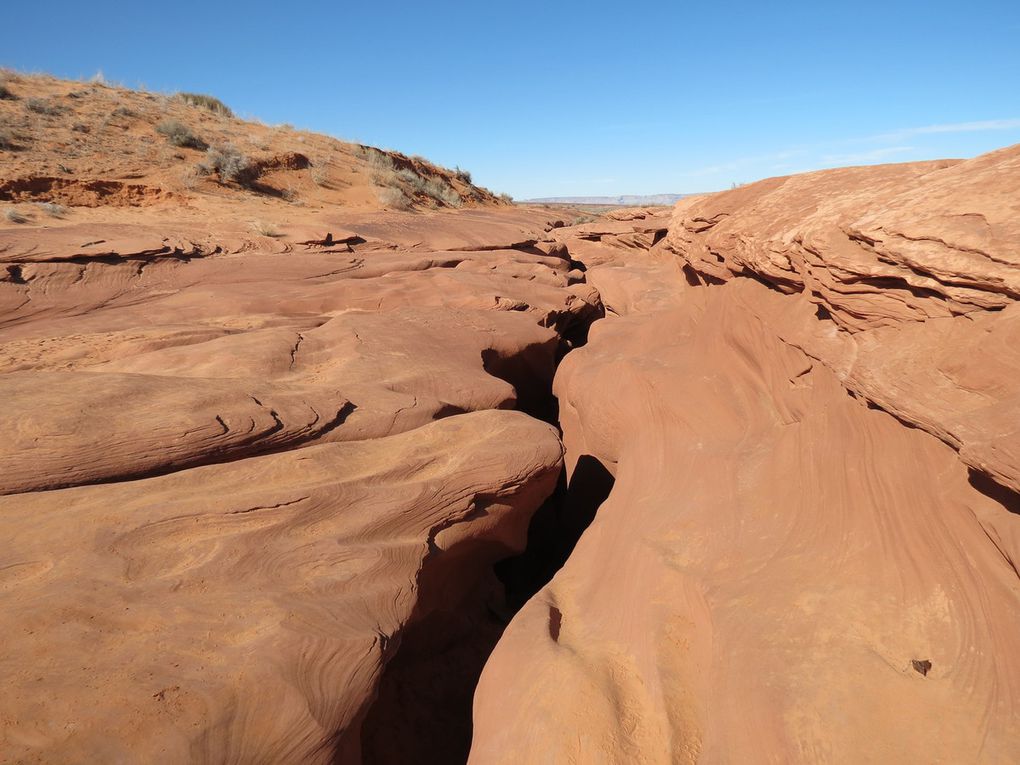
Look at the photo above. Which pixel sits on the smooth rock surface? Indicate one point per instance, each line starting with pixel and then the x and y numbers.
pixel 807 397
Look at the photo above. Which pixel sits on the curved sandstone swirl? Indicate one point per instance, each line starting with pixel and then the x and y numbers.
pixel 784 572
pixel 237 472
pixel 244 612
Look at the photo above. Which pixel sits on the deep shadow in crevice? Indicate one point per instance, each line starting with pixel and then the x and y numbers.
pixel 985 484
pixel 530 371
pixel 690 275
pixel 422 712
pixel 554 531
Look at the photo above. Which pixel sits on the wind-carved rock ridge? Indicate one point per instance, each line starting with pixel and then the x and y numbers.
pixel 236 484
pixel 783 571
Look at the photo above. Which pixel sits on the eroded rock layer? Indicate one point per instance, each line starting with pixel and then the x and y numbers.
pixel 237 470
pixel 807 396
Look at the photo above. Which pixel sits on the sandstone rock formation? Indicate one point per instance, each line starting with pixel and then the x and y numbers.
pixel 280 470
pixel 785 572
pixel 238 470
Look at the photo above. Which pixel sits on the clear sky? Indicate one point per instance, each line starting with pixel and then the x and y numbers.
pixel 557 98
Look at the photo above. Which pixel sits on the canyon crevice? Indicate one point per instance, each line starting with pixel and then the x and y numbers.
pixel 809 551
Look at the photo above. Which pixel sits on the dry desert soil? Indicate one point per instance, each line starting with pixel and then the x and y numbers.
pixel 316 453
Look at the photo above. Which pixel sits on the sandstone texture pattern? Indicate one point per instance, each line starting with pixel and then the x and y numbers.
pixel 806 393
pixel 318 453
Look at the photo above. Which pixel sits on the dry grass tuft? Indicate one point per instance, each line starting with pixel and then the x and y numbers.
pixel 53 209
pixel 8 140
pixel 42 106
pixel 265 229
pixel 180 134
pixel 206 102
pixel 394 198
pixel 14 215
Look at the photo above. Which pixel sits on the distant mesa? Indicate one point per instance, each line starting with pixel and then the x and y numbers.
pixel 625 200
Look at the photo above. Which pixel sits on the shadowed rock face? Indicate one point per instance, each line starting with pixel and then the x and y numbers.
pixel 807 397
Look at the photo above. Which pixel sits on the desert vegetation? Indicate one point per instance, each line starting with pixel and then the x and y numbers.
pixel 53 209
pixel 108 131
pixel 227 161
pixel 432 189
pixel 180 134
pixel 42 106
pixel 394 197
pixel 8 139
pixel 263 228
pixel 210 103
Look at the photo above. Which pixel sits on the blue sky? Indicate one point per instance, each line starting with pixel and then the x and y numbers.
pixel 557 98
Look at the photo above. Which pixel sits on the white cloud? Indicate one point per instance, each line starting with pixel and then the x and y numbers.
pixel 953 127
pixel 863 157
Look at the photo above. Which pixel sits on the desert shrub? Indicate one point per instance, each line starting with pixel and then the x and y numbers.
pixel 264 229
pixel 123 111
pixel 14 215
pixel 81 127
pixel 442 192
pixel 395 198
pixel 6 94
pixel 206 102
pixel 180 134
pixel 8 140
pixel 228 163
pixel 384 172
pixel 377 160
pixel 53 209
pixel 190 178
pixel 407 178
pixel 41 106
pixel 506 198
pixel 464 175
pixel 319 176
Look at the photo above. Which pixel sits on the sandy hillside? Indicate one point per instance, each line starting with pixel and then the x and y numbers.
pixel 97 146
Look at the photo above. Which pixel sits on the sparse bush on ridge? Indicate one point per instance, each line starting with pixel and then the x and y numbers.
pixel 379 162
pixel 394 197
pixel 180 134
pixel 229 163
pixel 464 175
pixel 206 102
pixel 506 198
pixel 409 183
pixel 41 106
pixel 8 141
pixel 442 192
